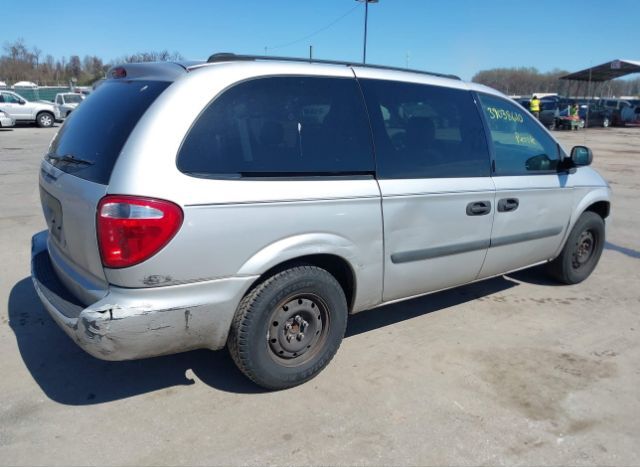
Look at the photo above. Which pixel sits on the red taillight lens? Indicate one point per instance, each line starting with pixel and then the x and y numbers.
pixel 119 72
pixel 132 229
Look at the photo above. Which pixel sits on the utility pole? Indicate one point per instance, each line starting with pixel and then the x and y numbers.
pixel 310 52
pixel 366 19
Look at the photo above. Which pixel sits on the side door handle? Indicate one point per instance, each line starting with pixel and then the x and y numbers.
pixel 478 208
pixel 508 204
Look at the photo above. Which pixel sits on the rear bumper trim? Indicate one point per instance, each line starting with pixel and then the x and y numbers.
pixel 138 323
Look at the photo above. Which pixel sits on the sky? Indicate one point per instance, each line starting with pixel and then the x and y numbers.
pixel 460 37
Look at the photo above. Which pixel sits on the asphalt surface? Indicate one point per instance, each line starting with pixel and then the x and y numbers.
pixel 515 370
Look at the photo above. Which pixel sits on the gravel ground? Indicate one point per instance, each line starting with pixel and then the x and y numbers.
pixel 514 370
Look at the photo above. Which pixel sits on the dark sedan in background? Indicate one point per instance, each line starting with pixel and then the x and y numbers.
pixel 555 109
pixel 598 116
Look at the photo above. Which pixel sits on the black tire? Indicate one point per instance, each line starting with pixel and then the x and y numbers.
pixel 45 119
pixel 265 341
pixel 581 252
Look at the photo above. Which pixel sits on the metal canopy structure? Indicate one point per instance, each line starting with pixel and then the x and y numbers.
pixel 606 71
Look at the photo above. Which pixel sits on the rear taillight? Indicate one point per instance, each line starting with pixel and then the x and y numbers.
pixel 132 229
pixel 119 72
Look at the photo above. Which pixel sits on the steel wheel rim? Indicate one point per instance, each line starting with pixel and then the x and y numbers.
pixel 297 329
pixel 585 247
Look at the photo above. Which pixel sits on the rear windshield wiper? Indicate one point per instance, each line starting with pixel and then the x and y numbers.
pixel 68 158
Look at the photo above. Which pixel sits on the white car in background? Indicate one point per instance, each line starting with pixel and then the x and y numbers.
pixel 67 102
pixel 5 120
pixel 21 110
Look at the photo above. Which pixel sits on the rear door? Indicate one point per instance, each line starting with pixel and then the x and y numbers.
pixel 533 200
pixel 437 195
pixel 70 189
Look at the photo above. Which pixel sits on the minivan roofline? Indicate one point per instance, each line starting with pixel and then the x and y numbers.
pixel 171 71
pixel 231 57
pixel 160 71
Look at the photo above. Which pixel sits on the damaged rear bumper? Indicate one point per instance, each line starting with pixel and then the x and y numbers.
pixel 137 323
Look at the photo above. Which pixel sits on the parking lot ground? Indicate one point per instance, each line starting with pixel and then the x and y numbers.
pixel 514 370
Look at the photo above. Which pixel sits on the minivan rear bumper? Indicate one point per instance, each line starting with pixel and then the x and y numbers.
pixel 137 323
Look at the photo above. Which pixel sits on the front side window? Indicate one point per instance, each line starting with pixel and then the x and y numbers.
pixel 72 99
pixel 424 131
pixel 281 126
pixel 11 98
pixel 521 146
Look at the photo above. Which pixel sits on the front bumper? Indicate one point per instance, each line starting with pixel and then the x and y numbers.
pixel 137 323
pixel 6 122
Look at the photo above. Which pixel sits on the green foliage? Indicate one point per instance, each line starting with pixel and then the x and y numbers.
pixel 527 81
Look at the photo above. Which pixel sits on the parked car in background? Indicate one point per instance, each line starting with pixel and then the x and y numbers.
pixel 620 109
pixel 550 107
pixel 5 120
pixel 67 102
pixel 44 114
pixel 597 116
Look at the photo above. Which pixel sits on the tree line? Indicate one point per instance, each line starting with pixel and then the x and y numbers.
pixel 19 62
pixel 526 81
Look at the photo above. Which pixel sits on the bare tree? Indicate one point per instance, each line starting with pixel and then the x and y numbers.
pixel 162 56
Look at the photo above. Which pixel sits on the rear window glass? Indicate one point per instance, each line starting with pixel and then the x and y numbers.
pixel 97 130
pixel 281 126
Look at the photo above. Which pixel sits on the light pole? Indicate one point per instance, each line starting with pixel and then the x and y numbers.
pixel 366 16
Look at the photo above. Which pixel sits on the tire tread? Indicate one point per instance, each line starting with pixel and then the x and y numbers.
pixel 247 313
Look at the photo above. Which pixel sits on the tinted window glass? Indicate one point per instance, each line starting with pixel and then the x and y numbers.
pixel 425 131
pixel 281 126
pixel 548 105
pixel 97 130
pixel 520 145
pixel 11 99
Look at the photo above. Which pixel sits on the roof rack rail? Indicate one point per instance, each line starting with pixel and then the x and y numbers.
pixel 231 57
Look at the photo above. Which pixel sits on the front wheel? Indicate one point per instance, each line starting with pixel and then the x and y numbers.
pixel 581 252
pixel 289 327
pixel 605 123
pixel 45 120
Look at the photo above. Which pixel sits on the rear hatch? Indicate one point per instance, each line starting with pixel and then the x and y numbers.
pixel 75 174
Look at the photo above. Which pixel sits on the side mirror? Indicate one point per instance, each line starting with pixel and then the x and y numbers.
pixel 581 156
pixel 22 102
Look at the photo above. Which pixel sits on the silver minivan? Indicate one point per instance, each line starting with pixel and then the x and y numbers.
pixel 255 203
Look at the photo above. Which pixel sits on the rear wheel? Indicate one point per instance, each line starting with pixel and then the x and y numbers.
pixel 288 328
pixel 581 252
pixel 45 120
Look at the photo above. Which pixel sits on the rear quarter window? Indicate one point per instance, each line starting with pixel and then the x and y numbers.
pixel 97 130
pixel 281 126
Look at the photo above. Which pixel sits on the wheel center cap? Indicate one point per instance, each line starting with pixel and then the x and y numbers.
pixel 295 327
